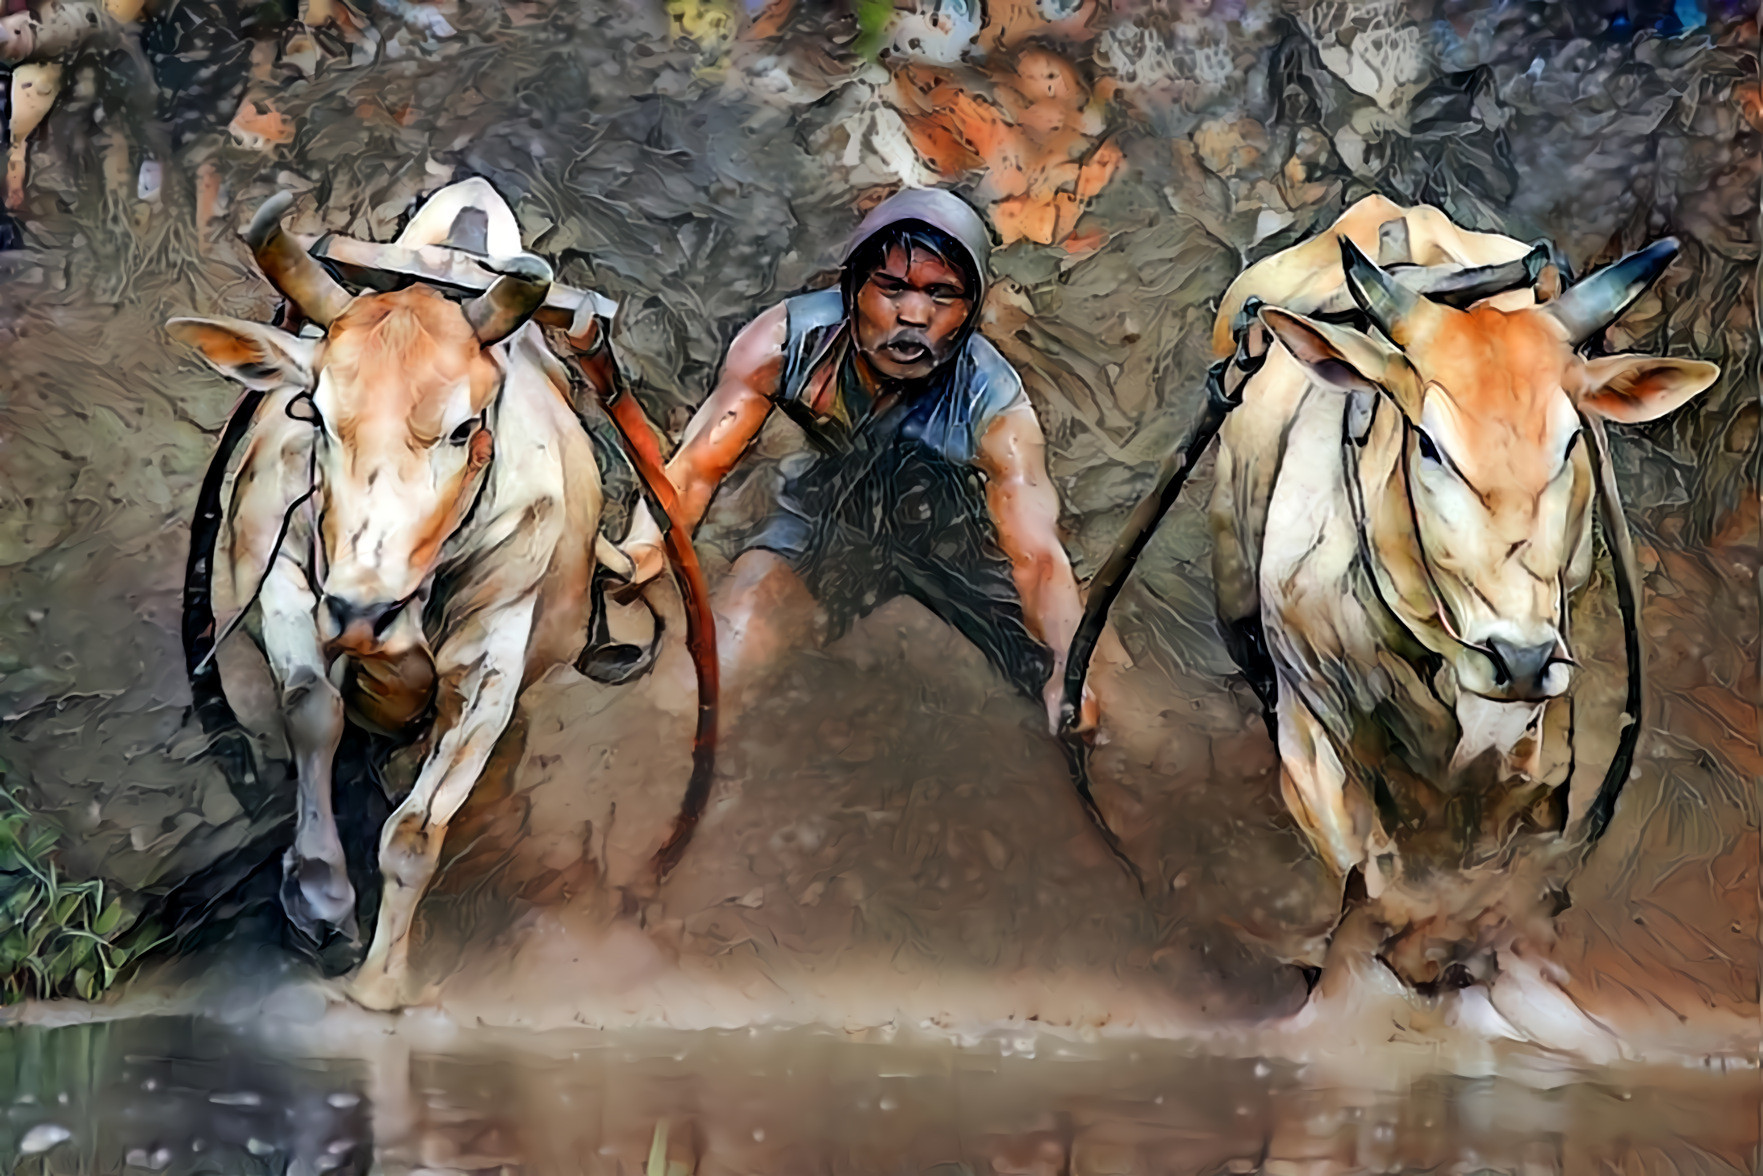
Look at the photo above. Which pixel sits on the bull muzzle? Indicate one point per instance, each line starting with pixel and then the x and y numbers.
pixel 1529 673
pixel 355 626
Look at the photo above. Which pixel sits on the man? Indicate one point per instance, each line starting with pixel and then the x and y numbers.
pixel 929 477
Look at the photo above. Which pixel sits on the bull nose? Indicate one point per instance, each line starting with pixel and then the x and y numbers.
pixel 348 614
pixel 1522 668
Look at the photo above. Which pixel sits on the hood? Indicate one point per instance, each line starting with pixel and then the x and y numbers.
pixel 940 209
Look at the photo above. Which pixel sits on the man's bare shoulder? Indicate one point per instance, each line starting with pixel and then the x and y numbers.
pixel 756 356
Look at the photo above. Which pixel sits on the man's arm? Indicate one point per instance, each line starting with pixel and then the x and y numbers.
pixel 719 432
pixel 1025 510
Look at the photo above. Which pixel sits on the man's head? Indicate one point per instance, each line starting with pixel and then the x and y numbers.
pixel 914 279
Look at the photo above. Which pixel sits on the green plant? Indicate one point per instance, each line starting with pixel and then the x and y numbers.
pixel 872 27
pixel 57 937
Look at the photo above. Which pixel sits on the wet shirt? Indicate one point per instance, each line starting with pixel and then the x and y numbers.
pixel 893 503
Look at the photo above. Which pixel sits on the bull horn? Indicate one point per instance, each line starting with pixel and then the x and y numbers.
pixel 1386 301
pixel 514 298
pixel 1463 288
pixel 1601 299
pixel 289 268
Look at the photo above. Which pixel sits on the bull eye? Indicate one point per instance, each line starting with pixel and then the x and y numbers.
pixel 1428 449
pixel 463 433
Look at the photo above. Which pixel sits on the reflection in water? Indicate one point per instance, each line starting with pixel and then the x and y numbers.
pixel 173 1094
pixel 349 1094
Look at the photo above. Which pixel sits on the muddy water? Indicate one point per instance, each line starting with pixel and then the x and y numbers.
pixel 283 1093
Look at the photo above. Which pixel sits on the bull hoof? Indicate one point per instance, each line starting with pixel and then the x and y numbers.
pixel 319 901
pixel 375 989
pixel 1537 1007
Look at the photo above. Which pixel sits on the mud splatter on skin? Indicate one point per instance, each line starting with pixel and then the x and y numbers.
pixel 891 821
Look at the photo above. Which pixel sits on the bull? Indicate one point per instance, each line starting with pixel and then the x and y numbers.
pixel 413 531
pixel 1401 517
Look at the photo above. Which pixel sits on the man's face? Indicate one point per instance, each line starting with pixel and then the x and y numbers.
pixel 910 312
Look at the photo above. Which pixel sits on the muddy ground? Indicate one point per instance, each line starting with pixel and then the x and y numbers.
pixel 893 836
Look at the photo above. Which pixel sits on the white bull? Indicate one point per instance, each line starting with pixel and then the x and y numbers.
pixel 1401 521
pixel 444 554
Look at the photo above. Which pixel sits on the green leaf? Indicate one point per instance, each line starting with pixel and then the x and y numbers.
pixel 65 907
pixel 22 898
pixel 84 983
pixel 80 951
pixel 109 918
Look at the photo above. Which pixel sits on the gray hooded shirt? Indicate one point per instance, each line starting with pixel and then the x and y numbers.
pixel 893 504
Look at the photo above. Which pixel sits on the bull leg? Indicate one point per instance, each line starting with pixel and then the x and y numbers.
pixel 480 670
pixel 315 879
pixel 1530 995
pixel 1314 784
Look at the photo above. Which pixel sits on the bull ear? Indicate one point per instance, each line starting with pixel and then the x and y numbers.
pixel 1346 358
pixel 1630 389
pixel 255 355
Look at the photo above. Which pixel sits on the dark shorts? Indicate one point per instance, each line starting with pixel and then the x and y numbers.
pixel 917 527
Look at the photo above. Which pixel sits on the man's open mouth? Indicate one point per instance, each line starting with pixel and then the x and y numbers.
pixel 906 351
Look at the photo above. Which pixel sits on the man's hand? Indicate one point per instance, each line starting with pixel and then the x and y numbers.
pixel 649 560
pixel 1054 696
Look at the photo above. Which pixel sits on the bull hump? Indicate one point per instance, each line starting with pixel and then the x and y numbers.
pixel 470 231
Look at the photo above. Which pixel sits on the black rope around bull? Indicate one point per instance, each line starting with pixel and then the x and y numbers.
pixel 1141 525
pixel 208 700
pixel 1616 534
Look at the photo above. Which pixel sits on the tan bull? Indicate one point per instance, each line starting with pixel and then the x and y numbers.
pixel 441 507
pixel 1403 516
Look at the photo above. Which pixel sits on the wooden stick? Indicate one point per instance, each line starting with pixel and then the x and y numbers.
pixel 369 263
pixel 593 354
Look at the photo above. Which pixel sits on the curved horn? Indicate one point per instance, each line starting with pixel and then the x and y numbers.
pixel 1598 301
pixel 289 268
pixel 1386 301
pixel 1463 288
pixel 502 309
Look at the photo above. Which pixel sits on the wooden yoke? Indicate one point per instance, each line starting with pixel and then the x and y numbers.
pixel 592 350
